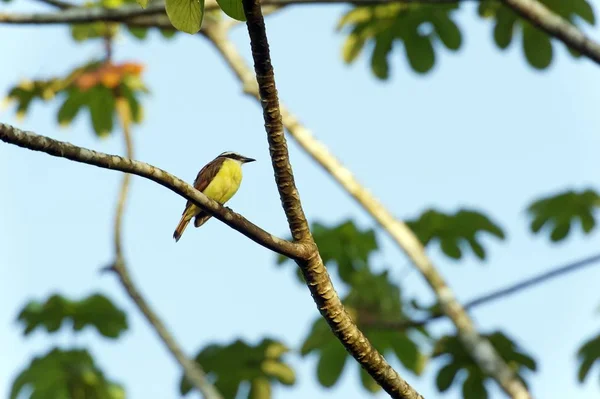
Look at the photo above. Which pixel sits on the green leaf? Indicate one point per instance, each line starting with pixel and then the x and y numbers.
pixel 76 99
pixel 260 388
pixel 96 311
pixel 143 3
pixel 588 355
pixel 455 231
pixel 446 376
pixel 102 109
pixel 64 374
pixel 447 30
pixel 331 363
pixel 139 33
pixel 537 47
pixel 233 8
pixel 231 365
pixel 560 211
pixel 450 347
pixel 185 15
pixel 473 387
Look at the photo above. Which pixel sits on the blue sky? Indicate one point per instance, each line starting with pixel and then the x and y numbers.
pixel 482 130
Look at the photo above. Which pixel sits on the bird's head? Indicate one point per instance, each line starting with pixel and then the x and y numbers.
pixel 237 157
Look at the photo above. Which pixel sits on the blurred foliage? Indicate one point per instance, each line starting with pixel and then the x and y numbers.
pixel 95 310
pixel 588 354
pixel 419 27
pixel 453 231
pixel 344 245
pixel 537 45
pixel 62 374
pixel 559 212
pixel 228 366
pixel 416 26
pixel 93 86
pixel 372 300
pixel 450 348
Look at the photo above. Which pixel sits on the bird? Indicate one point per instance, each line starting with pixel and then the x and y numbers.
pixel 219 180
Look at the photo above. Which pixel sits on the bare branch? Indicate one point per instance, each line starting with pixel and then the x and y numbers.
pixel 481 350
pixel 32 141
pixel 314 272
pixel 493 296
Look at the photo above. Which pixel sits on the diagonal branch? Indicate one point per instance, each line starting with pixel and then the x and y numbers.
pixel 480 349
pixel 314 272
pixel 32 141
pixel 493 296
pixel 556 26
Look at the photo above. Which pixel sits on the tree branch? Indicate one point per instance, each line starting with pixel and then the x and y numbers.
pixel 314 272
pixel 502 293
pixel 556 26
pixel 32 141
pixel 480 349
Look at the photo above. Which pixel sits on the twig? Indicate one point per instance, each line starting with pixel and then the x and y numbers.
pixel 479 348
pixel 63 5
pixel 32 141
pixel 402 325
pixel 314 272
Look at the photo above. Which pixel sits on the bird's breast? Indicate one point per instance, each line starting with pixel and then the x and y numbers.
pixel 226 182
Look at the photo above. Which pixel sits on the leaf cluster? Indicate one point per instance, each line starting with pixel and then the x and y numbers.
pixel 95 86
pixel 559 212
pixel 96 311
pixel 230 366
pixel 458 362
pixel 416 27
pixel 68 373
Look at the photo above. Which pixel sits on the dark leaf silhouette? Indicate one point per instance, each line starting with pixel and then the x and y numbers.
pixel 453 232
pixel 460 364
pixel 559 212
pixel 64 374
pixel 96 311
pixel 231 365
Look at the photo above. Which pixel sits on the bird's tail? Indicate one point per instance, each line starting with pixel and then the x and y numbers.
pixel 181 227
pixel 187 216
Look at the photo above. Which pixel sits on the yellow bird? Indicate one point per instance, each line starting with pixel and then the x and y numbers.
pixel 219 180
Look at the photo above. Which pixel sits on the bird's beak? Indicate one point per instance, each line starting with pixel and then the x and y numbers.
pixel 247 160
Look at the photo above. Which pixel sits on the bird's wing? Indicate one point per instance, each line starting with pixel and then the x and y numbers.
pixel 205 176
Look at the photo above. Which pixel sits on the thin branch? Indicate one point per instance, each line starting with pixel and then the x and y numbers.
pixel 193 372
pixel 63 5
pixel 314 272
pixel 479 348
pixel 32 141
pixel 493 296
